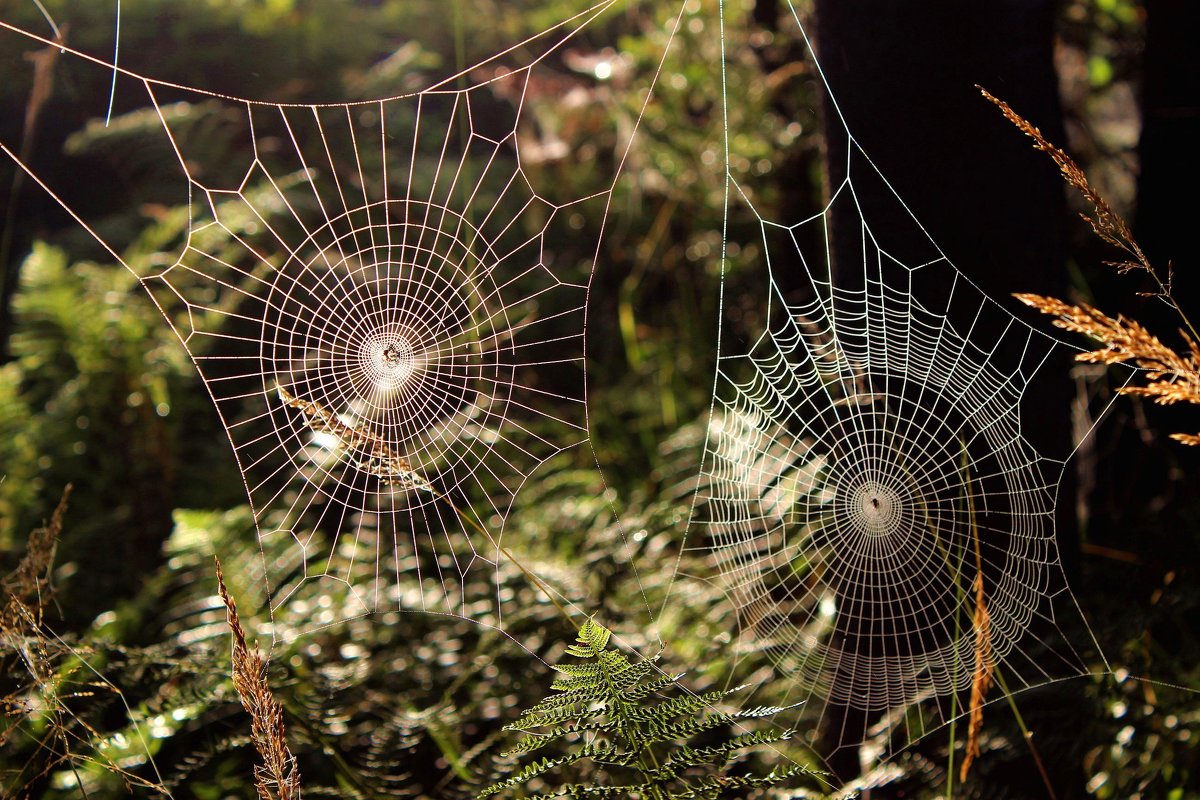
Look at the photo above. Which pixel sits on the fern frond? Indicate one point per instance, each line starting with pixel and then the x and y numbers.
pixel 606 709
pixel 575 790
pixel 532 771
pixel 573 697
pixel 644 690
pixel 680 706
pixel 592 640
pixel 581 672
pixel 543 718
pixel 688 757
pixel 600 753
pixel 611 791
pixel 763 711
pixel 628 676
pixel 529 744
pixel 714 787
pixel 659 731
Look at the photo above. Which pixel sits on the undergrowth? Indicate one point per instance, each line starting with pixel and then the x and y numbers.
pixel 628 729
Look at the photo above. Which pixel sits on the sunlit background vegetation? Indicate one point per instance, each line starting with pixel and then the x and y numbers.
pixel 96 392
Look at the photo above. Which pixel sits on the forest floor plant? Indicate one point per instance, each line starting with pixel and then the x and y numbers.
pixel 615 715
pixel 278 776
pixel 45 680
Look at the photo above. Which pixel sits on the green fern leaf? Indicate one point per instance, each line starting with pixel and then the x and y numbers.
pixel 531 744
pixel 624 740
pixel 713 787
pixel 682 706
pixel 688 757
pixel 644 690
pixel 543 718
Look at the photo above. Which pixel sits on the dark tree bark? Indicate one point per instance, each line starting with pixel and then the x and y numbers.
pixel 1168 150
pixel 904 75
pixel 1144 501
pixel 1140 482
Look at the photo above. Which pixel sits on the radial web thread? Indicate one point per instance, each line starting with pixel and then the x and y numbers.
pixel 379 304
pixel 363 300
pixel 870 501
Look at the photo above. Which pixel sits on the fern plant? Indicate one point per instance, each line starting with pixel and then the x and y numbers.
pixel 617 716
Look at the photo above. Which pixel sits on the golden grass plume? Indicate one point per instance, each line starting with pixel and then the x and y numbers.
pixel 1107 223
pixel 278 776
pixel 1172 376
pixel 984 665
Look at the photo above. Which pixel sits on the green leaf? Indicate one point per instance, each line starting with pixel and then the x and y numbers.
pixel 604 711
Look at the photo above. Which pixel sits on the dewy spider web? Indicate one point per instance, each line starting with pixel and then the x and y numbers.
pixel 869 500
pixel 363 300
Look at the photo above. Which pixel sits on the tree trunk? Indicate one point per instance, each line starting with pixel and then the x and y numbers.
pixel 1170 159
pixel 1141 482
pixel 904 77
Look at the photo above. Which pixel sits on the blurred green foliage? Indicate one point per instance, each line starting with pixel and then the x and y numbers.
pixel 93 379
pixel 99 394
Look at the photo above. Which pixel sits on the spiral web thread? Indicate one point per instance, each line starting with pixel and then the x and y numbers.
pixel 869 501
pixel 363 300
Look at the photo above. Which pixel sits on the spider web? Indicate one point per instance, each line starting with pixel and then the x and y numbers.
pixel 380 306
pixel 362 299
pixel 870 502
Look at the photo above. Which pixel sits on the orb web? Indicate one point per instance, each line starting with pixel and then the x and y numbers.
pixel 854 481
pixel 406 338
pixel 870 499
pixel 364 300
pixel 386 302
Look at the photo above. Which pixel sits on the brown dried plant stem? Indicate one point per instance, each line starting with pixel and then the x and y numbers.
pixel 27 591
pixel 985 672
pixel 984 655
pixel 49 662
pixel 396 471
pixel 982 680
pixel 278 776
